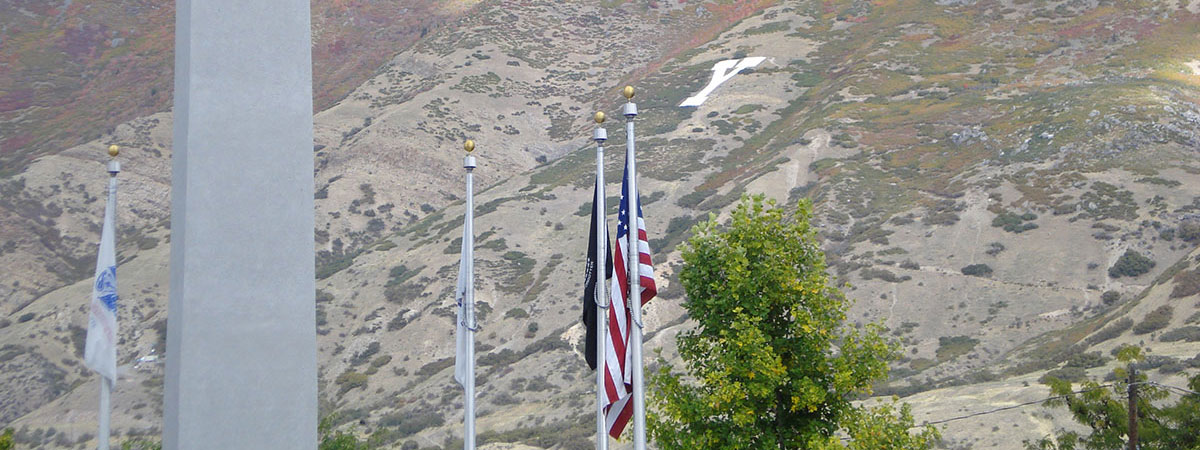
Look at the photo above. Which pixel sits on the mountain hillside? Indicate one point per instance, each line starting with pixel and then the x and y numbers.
pixel 79 70
pixel 367 148
pixel 1004 184
pixel 71 70
pixel 1161 319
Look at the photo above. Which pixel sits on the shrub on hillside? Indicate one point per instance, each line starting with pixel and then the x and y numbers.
pixel 1188 333
pixel 410 423
pixel 323 296
pixel 941 215
pixel 1186 283
pixel 1087 360
pixel 871 273
pixel 350 380
pixel 1072 374
pixel 1111 331
pixel 501 358
pixel 365 355
pixel 994 249
pixel 1167 235
pixel 920 364
pixel 1194 318
pixel 691 200
pixel 399 321
pixel 676 228
pixel 978 270
pixel 419 423
pixel 10 351
pixel 399 293
pixel 843 140
pixel 1154 320
pixel 1172 367
pixel 1152 362
pixel 329 264
pixel 434 367
pixel 954 346
pixel 1130 264
pixel 1015 223
pixel 401 273
pixel 1110 297
pixel 1189 231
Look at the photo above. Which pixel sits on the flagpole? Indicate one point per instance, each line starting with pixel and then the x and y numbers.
pixel 105 410
pixel 635 278
pixel 469 301
pixel 600 135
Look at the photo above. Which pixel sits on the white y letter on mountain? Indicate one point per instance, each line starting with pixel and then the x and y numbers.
pixel 722 72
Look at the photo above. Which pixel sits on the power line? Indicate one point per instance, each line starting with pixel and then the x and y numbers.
pixel 1006 408
pixel 1175 388
pixel 1034 402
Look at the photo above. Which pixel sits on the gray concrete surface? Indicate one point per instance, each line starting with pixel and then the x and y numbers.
pixel 241 333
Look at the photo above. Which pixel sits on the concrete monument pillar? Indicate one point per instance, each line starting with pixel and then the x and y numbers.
pixel 241 325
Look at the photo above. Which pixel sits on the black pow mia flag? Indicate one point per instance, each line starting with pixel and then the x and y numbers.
pixel 590 280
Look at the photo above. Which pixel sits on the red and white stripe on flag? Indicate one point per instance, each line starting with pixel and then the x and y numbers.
pixel 618 364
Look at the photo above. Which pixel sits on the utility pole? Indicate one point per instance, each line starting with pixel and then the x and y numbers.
pixel 1133 431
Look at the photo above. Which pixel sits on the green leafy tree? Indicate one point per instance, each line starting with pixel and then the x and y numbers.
pixel 770 363
pixel 1104 409
pixel 6 439
pixel 336 440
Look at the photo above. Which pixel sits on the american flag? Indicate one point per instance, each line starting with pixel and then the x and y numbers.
pixel 618 364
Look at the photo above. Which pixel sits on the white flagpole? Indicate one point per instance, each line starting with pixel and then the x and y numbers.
pixel 601 135
pixel 633 258
pixel 469 302
pixel 105 412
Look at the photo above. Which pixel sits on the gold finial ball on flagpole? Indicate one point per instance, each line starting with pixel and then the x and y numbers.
pixel 469 146
pixel 113 150
pixel 628 92
pixel 599 117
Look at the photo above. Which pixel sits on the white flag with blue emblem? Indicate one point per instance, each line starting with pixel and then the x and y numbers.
pixel 100 351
